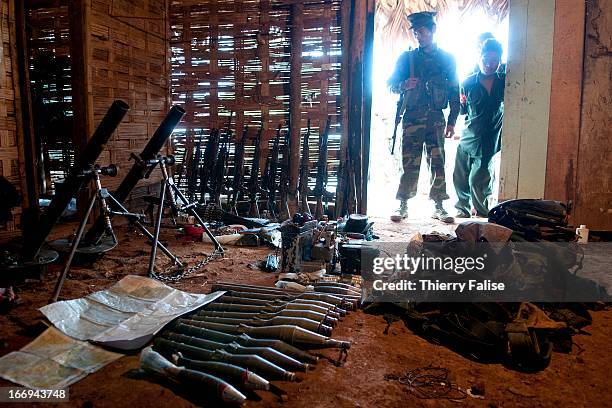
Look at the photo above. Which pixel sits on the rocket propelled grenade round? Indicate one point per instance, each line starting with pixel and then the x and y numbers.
pixel 307 314
pixel 275 321
pixel 336 290
pixel 334 298
pixel 268 353
pixel 152 361
pixel 258 364
pixel 315 305
pixel 246 340
pixel 233 307
pixel 293 335
pixel 229 372
pixel 336 284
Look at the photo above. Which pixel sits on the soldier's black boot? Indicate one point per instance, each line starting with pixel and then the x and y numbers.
pixel 441 214
pixel 401 212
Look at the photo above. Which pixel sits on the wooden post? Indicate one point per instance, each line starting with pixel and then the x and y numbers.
pixel 358 14
pixel 343 170
pixel 368 47
pixel 295 101
pixel 263 49
pixel 79 13
pixel 28 151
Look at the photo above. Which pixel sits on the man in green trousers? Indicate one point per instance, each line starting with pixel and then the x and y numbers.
pixel 427 79
pixel 482 101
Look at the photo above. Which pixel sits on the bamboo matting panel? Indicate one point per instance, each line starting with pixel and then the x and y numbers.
pixel 9 154
pixel 50 77
pixel 234 57
pixel 130 62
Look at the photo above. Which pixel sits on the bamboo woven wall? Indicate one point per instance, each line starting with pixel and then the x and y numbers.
pixel 234 56
pixel 129 61
pixel 9 150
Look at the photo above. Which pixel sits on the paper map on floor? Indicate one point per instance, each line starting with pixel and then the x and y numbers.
pixel 125 316
pixel 53 361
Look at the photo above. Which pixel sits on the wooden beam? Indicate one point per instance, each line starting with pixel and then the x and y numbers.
pixel 79 14
pixel 295 102
pixel 593 204
pixel 28 150
pixel 263 50
pixel 355 106
pixel 343 170
pixel 368 56
pixel 565 100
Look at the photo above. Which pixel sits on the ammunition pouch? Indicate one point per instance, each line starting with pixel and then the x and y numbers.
pixel 438 92
pixel 412 97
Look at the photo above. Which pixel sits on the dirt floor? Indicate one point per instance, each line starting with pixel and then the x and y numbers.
pixel 579 379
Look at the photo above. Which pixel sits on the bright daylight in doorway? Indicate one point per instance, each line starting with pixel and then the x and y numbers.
pixel 457 34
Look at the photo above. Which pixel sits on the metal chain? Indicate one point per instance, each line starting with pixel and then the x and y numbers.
pixel 186 272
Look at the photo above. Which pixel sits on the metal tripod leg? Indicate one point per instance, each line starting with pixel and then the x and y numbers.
pixel 146 232
pixel 73 249
pixel 160 213
pixel 194 213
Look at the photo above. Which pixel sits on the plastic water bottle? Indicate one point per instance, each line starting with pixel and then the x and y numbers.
pixel 583 234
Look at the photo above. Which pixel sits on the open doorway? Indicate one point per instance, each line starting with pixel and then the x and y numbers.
pixel 457 32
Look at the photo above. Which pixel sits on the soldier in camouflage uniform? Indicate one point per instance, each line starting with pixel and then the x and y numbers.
pixel 427 79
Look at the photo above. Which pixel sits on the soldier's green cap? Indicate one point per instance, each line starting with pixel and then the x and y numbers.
pixel 423 18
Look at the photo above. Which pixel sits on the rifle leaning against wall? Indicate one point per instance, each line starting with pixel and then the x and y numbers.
pixel 304 173
pixel 194 170
pixel 237 188
pixel 253 186
pixel 210 157
pixel 273 168
pixel 218 186
pixel 283 184
pixel 320 191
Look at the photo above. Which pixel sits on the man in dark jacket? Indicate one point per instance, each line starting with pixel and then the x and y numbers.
pixel 427 78
pixel 482 100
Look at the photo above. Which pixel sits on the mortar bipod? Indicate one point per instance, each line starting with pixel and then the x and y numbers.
pixel 174 195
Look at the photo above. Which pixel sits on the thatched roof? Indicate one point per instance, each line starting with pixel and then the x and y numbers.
pixel 391 14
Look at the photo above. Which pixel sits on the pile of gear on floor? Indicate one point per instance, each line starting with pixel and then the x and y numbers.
pixel 522 335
